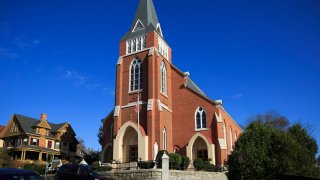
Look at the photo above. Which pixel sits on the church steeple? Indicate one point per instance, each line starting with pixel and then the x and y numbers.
pixel 145 20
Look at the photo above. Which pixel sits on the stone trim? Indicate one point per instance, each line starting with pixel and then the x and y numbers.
pixel 120 60
pixel 150 105
pixel 218 117
pixel 133 104
pixel 116 111
pixel 159 105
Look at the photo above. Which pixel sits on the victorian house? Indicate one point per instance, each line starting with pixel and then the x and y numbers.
pixel 1 141
pixel 27 138
pixel 175 114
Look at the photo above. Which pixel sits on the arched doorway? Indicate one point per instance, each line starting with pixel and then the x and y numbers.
pixel 130 145
pixel 125 147
pixel 200 147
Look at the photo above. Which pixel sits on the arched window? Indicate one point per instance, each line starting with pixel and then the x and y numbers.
pixel 201 119
pixel 235 135
pixel 136 71
pixel 225 134
pixel 231 143
pixel 164 139
pixel 163 80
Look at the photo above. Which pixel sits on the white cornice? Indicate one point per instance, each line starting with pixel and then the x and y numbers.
pixel 132 104
pixel 116 111
pixel 120 60
pixel 161 105
pixel 218 117
pixel 150 105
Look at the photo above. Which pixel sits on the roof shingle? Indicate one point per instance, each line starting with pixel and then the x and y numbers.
pixel 27 124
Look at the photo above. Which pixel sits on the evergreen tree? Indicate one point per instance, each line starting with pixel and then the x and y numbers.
pixel 100 135
pixel 265 152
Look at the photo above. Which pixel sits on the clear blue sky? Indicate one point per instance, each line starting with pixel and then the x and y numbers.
pixel 59 57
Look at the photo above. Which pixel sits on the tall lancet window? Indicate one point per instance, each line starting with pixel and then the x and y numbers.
pixel 201 119
pixel 163 80
pixel 136 71
pixel 231 142
pixel 164 139
pixel 225 134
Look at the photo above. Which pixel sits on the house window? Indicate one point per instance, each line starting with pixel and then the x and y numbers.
pixel 136 44
pixel 201 119
pixel 38 130
pixel 57 145
pixel 49 144
pixel 14 127
pixel 47 132
pixel 136 71
pixel 34 142
pixel 164 139
pixel 25 141
pixel 163 82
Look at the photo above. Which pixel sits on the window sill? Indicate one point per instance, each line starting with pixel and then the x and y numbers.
pixel 203 129
pixel 135 91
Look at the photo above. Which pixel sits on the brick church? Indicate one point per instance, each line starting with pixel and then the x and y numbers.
pixel 175 114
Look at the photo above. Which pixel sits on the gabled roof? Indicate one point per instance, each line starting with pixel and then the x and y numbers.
pixel 146 14
pixel 190 84
pixel 27 124
pixel 1 128
pixel 44 124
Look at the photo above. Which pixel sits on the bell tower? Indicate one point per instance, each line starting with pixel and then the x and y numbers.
pixel 144 68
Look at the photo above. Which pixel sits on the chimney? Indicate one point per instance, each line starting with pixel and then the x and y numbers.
pixel 43 117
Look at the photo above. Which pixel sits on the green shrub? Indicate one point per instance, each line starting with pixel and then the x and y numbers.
pixel 207 166
pixel 185 161
pixel 174 161
pixel 38 168
pixel 146 164
pixel 198 164
pixel 101 168
pixel 159 158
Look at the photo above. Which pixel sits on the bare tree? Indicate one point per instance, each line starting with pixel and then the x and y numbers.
pixel 272 118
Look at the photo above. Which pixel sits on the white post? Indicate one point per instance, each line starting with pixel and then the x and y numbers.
pixel 165 167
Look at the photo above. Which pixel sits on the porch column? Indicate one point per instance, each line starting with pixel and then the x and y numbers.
pixel 24 155
pixel 40 156
pixel 21 157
